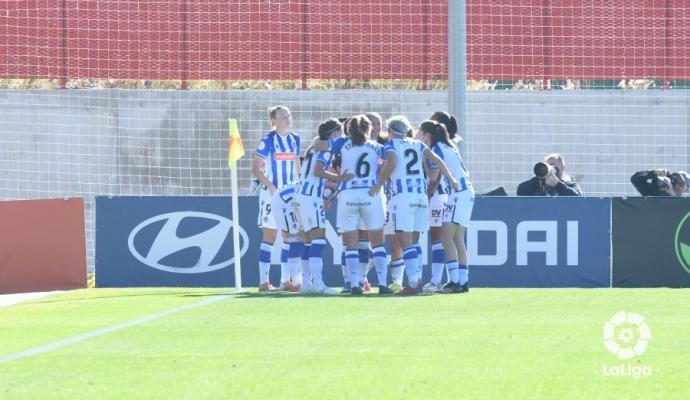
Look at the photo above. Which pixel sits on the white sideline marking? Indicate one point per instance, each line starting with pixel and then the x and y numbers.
pixel 16 298
pixel 108 329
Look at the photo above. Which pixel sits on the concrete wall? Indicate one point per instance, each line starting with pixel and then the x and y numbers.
pixel 127 142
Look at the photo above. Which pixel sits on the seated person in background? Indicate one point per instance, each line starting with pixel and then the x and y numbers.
pixel 661 182
pixel 550 179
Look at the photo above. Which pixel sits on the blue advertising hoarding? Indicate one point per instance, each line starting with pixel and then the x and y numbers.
pixel 168 241
pixel 181 241
pixel 187 241
pixel 540 242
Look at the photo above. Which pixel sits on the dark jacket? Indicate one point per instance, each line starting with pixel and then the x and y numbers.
pixel 644 183
pixel 536 187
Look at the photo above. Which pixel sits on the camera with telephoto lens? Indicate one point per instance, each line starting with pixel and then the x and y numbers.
pixel 663 183
pixel 543 170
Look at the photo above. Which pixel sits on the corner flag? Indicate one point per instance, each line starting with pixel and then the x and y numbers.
pixel 236 149
pixel 235 152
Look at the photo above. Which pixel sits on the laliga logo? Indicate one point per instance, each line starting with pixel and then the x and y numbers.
pixel 626 335
pixel 167 242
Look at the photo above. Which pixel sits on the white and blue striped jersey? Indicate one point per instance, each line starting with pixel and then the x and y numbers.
pixel 408 174
pixel 310 184
pixel 282 155
pixel 443 185
pixel 451 156
pixel 361 161
pixel 337 144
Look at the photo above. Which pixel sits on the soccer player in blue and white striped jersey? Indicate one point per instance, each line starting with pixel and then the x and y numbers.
pixel 276 166
pixel 409 202
pixel 361 157
pixel 456 216
pixel 310 207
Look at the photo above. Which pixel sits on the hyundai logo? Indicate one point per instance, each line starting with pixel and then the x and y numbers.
pixel 167 242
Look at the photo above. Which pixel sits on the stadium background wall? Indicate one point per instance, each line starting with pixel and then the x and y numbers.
pixel 174 143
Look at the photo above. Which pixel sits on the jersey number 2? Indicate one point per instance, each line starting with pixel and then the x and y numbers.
pixel 410 164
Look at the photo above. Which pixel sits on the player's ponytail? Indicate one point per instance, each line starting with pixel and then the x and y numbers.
pixel 359 128
pixel 448 121
pixel 343 120
pixel 438 133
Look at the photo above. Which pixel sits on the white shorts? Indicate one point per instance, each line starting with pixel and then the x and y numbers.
pixel 284 214
pixel 355 205
pixel 410 212
pixel 310 212
pixel 459 207
pixel 266 219
pixel 362 226
pixel 437 205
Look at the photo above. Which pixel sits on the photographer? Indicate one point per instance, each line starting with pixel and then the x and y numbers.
pixel 550 179
pixel 661 182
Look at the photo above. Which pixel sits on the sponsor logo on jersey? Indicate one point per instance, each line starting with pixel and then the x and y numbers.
pixel 357 203
pixel 284 156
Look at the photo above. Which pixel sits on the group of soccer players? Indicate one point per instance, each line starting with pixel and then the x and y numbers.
pixel 390 182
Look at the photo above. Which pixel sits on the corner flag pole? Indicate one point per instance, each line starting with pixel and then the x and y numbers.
pixel 235 152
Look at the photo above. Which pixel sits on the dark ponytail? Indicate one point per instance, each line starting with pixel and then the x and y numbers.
pixel 438 132
pixel 359 128
pixel 343 120
pixel 447 120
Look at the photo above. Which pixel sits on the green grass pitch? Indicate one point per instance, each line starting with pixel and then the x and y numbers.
pixel 489 343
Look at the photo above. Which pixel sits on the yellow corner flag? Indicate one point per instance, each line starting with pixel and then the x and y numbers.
pixel 235 152
pixel 236 149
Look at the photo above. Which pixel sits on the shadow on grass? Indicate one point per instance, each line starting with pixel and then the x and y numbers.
pixel 287 295
pixel 244 294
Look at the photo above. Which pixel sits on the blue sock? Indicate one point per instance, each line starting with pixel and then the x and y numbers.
pixel 363 253
pixel 316 262
pixel 306 268
pixel 379 256
pixel 284 268
pixel 438 262
pixel 352 260
pixel 420 264
pixel 410 259
pixel 295 247
pixel 343 266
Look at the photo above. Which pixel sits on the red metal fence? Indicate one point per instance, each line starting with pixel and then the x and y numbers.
pixel 335 39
